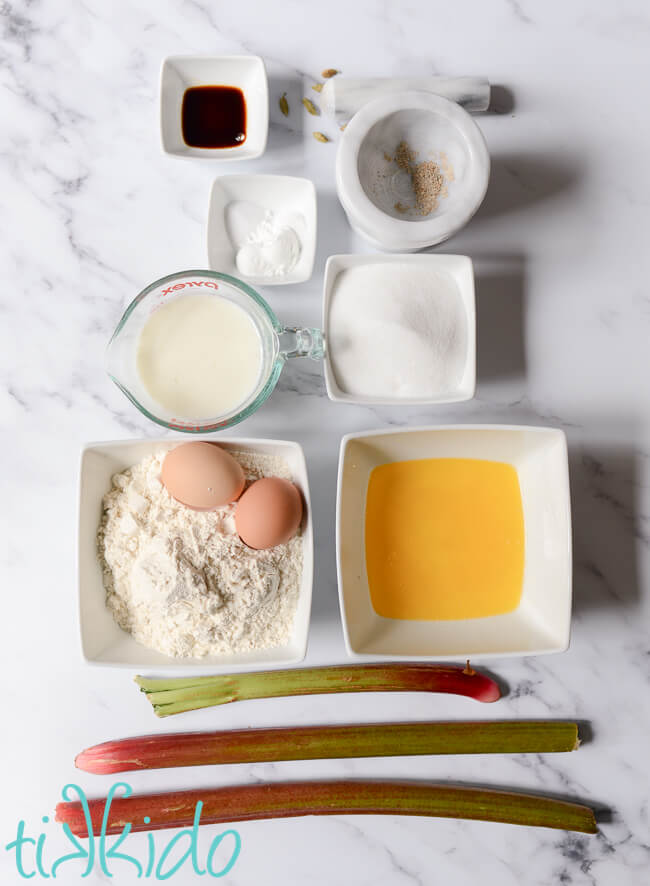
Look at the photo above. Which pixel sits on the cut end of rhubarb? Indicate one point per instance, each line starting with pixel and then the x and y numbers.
pixel 90 761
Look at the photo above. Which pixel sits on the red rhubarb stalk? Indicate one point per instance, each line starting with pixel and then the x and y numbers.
pixel 185 694
pixel 284 800
pixel 326 742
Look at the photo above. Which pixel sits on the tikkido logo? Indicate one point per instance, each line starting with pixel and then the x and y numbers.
pixel 224 848
pixel 207 284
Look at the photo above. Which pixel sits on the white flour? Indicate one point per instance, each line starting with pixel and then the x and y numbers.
pixel 181 581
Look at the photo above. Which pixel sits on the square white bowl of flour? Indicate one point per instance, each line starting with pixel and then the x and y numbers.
pixel 103 642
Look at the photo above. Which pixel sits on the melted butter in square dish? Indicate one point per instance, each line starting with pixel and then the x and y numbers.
pixel 444 539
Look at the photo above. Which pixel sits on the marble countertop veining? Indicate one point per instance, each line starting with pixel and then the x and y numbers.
pixel 91 210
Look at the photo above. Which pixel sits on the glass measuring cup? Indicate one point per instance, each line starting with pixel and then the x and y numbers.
pixel 277 343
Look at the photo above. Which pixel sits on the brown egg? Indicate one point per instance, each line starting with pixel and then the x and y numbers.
pixel 268 513
pixel 202 476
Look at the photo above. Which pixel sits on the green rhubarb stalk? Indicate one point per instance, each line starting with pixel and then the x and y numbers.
pixel 174 696
pixel 327 742
pixel 283 800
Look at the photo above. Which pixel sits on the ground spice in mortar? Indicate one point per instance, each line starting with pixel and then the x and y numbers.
pixel 405 157
pixel 427 179
pixel 427 184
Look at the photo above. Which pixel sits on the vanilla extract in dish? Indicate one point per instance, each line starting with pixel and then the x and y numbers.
pixel 213 117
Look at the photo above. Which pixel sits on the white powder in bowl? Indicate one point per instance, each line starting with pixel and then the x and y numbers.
pixel 397 330
pixel 267 244
pixel 271 250
pixel 181 581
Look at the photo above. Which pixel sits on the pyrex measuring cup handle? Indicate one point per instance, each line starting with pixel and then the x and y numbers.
pixel 297 342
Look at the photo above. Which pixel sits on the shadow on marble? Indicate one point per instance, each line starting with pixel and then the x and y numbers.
pixel 500 306
pixel 606 532
pixel 284 132
pixel 322 465
pixel 521 180
pixel 502 100
pixel 334 232
pixel 585 731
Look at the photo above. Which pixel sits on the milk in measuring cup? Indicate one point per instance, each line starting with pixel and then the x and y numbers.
pixel 199 356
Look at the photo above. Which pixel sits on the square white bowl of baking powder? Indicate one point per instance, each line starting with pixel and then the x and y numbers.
pixel 290 198
pixel 103 642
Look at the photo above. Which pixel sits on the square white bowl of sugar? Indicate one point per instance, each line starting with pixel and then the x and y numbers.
pixel 399 329
pixel 262 228
pixel 103 641
pixel 240 72
pixel 541 622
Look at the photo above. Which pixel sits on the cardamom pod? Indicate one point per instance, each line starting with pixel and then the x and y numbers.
pixel 320 137
pixel 284 104
pixel 311 107
pixel 329 72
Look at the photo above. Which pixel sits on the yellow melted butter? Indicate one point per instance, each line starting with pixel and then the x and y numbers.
pixel 444 539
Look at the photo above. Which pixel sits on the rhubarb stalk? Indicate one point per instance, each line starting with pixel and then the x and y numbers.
pixel 326 742
pixel 189 693
pixel 283 800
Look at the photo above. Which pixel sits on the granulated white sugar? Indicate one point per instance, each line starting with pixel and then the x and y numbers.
pixel 397 330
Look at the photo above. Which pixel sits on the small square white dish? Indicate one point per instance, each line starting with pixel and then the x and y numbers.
pixel 246 72
pixel 290 198
pixel 541 622
pixel 460 267
pixel 102 641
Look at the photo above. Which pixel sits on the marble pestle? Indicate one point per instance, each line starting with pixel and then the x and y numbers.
pixel 342 97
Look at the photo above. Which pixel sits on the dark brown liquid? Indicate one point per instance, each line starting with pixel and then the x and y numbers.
pixel 213 117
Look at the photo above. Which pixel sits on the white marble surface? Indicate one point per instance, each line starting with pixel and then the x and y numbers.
pixel 91 210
